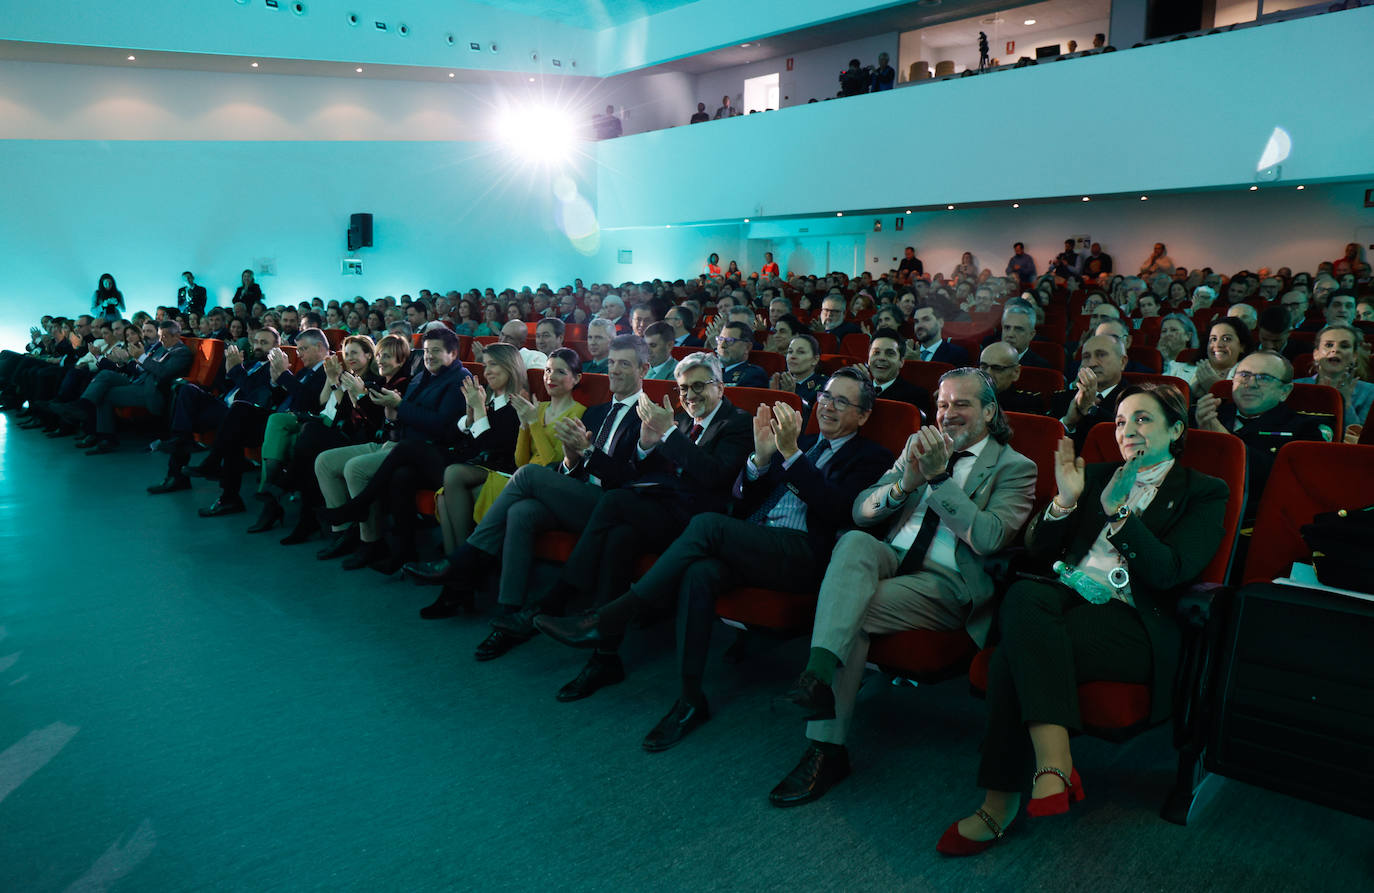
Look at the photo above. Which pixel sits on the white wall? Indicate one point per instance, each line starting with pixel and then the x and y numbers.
pixel 815 73
pixel 915 46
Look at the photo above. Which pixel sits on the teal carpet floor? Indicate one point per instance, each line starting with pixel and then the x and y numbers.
pixel 185 707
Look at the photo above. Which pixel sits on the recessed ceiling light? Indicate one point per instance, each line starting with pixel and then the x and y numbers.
pixel 839 213
pixel 1085 198
pixel 255 65
pixel 744 45
pixel 949 207
pixel 668 225
pixel 1253 188
pixel 531 80
pixel 131 58
pixel 1302 187
pixel 450 74
pixel 746 220
pixel 358 70
pixel 1016 204
pixel 1029 22
pixel 908 212
pixel 1144 198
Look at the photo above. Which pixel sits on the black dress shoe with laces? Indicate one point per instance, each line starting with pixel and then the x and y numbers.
pixel 498 643
pixel 223 506
pixel 813 696
pixel 580 631
pixel 520 622
pixel 602 670
pixel 680 721
pixel 172 484
pixel 820 769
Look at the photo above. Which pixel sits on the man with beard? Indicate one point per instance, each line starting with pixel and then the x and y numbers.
pixel 957 494
pixel 885 365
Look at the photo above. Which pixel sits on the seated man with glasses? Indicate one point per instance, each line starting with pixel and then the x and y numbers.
pixel 795 494
pixel 732 346
pixel 1258 414
pixel 1001 364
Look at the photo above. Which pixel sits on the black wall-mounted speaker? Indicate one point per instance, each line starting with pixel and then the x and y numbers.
pixel 359 231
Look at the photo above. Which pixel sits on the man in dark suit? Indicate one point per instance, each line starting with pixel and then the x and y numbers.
pixel 1259 415
pixel 197 410
pixel 885 365
pixel 1091 397
pixel 145 381
pixel 682 319
pixel 832 318
pixel 793 496
pixel 246 422
pixel 1018 330
pixel 685 465
pixel 930 343
pixel 190 297
pixel 1000 363
pixel 733 346
pixel 598 456
pixel 1275 327
pixel 956 495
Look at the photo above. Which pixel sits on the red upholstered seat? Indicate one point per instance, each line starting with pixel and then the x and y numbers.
pixel 923 655
pixel 1045 382
pixel 1110 706
pixel 924 375
pixel 856 346
pixel 555 545
pixel 424 502
pixel 1311 398
pixel 768 608
pixel 769 361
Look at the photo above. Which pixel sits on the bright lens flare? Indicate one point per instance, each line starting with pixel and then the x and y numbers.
pixel 538 134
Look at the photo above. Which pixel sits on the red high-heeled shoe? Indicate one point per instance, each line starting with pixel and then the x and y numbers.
pixel 1056 804
pixel 952 843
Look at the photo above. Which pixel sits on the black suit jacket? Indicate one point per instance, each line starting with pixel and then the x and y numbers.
pixel 906 392
pixel 255 388
pixel 432 405
pixel 615 466
pixel 191 298
pixel 1013 400
pixel 699 475
pixel 1031 358
pixel 691 341
pixel 949 352
pixel 494 448
pixel 1104 411
pixel 1166 547
pixel 844 328
pixel 828 492
pixel 300 393
pixel 1264 436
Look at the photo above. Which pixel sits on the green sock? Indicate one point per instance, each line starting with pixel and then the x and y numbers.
pixel 822 664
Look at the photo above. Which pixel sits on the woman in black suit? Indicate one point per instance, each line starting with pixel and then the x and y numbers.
pixel 1138 530
pixel 249 292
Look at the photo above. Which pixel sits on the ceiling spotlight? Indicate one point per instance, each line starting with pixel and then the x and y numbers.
pixel 1253 188
pixel 1029 22
pixel 531 80
pixel 745 45
pixel 667 226
pixel 949 207
pixel 1016 204
pixel 1085 198
pixel 451 74
pixel 131 58
pixel 908 212
pixel 746 220
pixel 255 65
pixel 839 213
pixel 358 70
pixel 1302 187
pixel 1144 198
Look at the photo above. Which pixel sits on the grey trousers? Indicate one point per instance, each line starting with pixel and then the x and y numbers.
pixel 109 390
pixel 536 499
pixel 860 598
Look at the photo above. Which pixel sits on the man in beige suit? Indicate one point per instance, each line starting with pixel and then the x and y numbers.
pixel 956 495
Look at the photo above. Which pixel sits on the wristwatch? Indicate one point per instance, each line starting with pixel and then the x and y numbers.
pixel 1122 513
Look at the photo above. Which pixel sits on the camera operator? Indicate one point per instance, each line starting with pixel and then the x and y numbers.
pixel 855 80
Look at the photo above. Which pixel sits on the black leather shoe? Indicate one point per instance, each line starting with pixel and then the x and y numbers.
pixel 204 470
pixel 305 528
pixel 364 556
pixel 817 773
pixel 813 696
pixel 678 724
pixel 521 623
pixel 272 515
pixel 433 572
pixel 579 631
pixel 343 543
pixel 498 643
pixel 223 506
pixel 390 560
pixel 451 602
pixel 107 445
pixel 602 670
pixel 172 484
pixel 85 443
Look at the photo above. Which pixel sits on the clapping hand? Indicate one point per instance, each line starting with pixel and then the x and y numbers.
pixel 478 352
pixel 385 397
pixel 352 383
pixel 232 357
pixel 1207 419
pixel 933 449
pixel 783 381
pixel 787 425
pixel 333 369
pixel 654 420
pixel 714 329
pixel 476 397
pixel 119 355
pixel 765 440
pixel 276 359
pixel 1087 390
pixel 1205 377
pixel 1068 474
pixel 574 437
pixel 527 412
pixel 1119 487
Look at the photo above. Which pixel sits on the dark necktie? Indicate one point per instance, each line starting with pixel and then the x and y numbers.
pixel 760 514
pixel 915 557
pixel 603 434
pixel 695 433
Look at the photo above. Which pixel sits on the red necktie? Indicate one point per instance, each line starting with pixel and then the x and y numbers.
pixel 695 433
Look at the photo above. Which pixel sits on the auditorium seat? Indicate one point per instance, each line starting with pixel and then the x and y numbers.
pixel 1053 353
pixel 1153 378
pixel 1146 356
pixel 856 346
pixel 1307 478
pixel 1046 382
pixel 925 375
pixel 1315 399
pixel 583 352
pixel 770 362
pixel 594 388
pixel 535 378
pixel 476 370
pixel 683 352
pixel 335 337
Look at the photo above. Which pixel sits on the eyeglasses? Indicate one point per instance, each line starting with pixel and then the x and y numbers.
pixel 840 403
pixel 725 340
pixel 697 387
pixel 1258 378
pixel 995 368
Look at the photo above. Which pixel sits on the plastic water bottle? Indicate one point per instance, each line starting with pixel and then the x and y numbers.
pixel 1083 584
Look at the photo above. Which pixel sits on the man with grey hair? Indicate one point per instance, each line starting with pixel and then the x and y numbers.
pixel 1246 313
pixel 600 334
pixel 1018 330
pixel 515 333
pixel 957 495
pixel 1090 398
pixel 613 309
